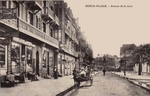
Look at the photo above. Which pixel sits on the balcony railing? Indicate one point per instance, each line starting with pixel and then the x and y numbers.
pixel 34 5
pixel 48 12
pixel 66 48
pixel 10 22
pixel 76 41
pixel 56 20
pixel 76 54
pixel 67 31
pixel 39 3
pixel 35 32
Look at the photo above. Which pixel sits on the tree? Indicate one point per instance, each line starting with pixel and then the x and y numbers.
pixel 140 55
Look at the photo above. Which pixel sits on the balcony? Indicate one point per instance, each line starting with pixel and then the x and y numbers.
pixel 57 20
pixel 77 42
pixel 34 6
pixel 9 22
pixel 47 14
pixel 66 49
pixel 32 31
pixel 67 31
pixel 19 1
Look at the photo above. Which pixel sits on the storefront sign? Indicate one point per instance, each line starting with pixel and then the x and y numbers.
pixel 8 13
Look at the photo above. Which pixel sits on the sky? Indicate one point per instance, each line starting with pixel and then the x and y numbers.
pixel 107 28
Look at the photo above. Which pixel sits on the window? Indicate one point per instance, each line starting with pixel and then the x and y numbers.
pixel 2 57
pixel 51 32
pixel 9 4
pixel 13 4
pixel 44 27
pixel 44 59
pixel 37 22
pixel 4 4
pixel 26 18
pixel 15 57
pixel 29 56
pixel 30 18
pixel 51 8
pixel 59 35
pixel 44 3
pixel 56 34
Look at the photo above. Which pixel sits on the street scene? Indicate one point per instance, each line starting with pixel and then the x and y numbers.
pixel 74 48
pixel 109 85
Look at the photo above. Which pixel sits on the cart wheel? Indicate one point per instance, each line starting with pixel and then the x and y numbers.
pixel 78 84
pixel 75 84
pixel 91 82
pixel 22 78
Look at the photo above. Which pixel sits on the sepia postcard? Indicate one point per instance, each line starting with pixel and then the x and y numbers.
pixel 74 48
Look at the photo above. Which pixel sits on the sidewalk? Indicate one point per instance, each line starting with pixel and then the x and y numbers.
pixel 140 80
pixel 43 87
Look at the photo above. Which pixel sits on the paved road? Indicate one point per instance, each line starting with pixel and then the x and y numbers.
pixel 110 85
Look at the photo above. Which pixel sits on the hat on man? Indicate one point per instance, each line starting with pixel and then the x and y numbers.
pixel 82 68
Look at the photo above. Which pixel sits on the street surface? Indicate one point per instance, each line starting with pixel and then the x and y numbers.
pixel 109 85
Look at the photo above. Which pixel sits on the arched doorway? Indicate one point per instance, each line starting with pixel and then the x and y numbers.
pixel 37 63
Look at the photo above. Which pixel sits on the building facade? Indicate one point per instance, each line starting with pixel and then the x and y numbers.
pixel 35 37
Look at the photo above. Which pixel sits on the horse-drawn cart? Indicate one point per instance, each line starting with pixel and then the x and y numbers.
pixel 78 78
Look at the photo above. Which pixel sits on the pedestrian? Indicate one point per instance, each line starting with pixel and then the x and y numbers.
pixel 104 71
pixel 55 72
pixel 83 72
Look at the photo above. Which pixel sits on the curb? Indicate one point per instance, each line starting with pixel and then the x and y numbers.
pixel 65 91
pixel 136 82
pixel 140 84
pixel 70 88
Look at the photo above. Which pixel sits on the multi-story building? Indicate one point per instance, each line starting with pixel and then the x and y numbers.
pixel 68 55
pixel 106 61
pixel 36 36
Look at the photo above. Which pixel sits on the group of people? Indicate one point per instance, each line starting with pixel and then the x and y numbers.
pixel 83 72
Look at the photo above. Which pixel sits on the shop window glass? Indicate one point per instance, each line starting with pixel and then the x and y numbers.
pixel 15 56
pixel 44 59
pixel 29 56
pixel 2 57
pixel 51 58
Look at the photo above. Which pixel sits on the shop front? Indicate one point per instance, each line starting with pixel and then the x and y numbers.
pixel 47 62
pixel 3 62
pixel 22 60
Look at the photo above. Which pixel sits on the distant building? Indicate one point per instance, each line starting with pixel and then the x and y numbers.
pixel 107 61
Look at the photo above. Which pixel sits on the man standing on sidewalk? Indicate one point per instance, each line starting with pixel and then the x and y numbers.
pixel 55 72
